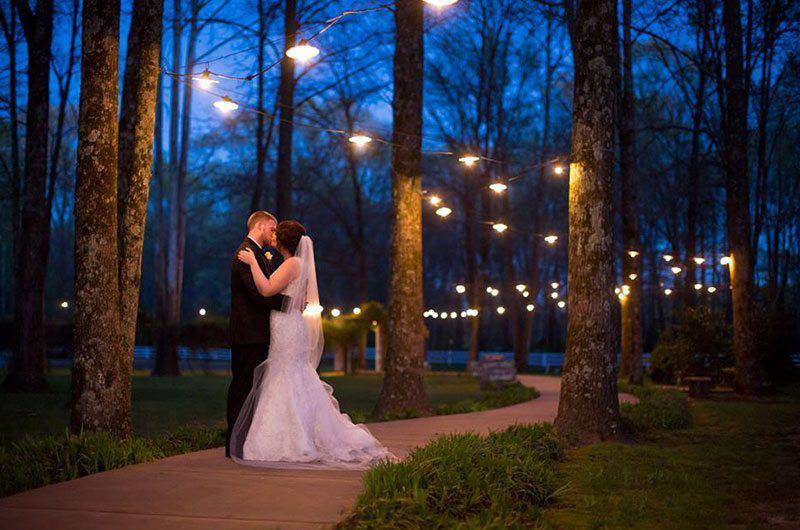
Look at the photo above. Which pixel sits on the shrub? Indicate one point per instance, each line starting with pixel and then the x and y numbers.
pixel 35 462
pixel 464 481
pixel 658 408
pixel 699 344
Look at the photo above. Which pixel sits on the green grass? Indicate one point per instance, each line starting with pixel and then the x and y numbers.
pixel 658 408
pixel 737 466
pixel 163 404
pixel 464 481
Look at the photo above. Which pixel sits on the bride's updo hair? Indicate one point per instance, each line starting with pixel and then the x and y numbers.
pixel 288 234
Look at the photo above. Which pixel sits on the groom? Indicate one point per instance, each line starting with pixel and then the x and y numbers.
pixel 249 320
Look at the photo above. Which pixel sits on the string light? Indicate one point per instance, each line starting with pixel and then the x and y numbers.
pixel 617 290
pixel 489 289
pixel 435 315
pixel 204 80
pixel 632 276
pixel 500 227
pixel 356 310
pixel 558 170
pixel 554 285
pixel 302 51
pixel 472 312
pixel 676 270
pixel 621 296
pixel 562 304
pixel 668 257
pixel 554 295
pixel 501 310
pixel 698 286
pixel 495 292
pixel 530 308
pixel 226 104
pixel 521 287
pixel 725 260
pixel 435 200
pixel 443 211
pixel 453 314
pixel 699 260
pixel 469 160
pixel 525 294
pixel 335 312
pixel 202 312
pixel 711 289
pixel 313 309
pixel 667 292
pixel 460 289
pixel 551 239
pixel 360 139
pixel 626 290
pixel 443 315
pixel 498 187
pixel 632 253
pixel 440 3
pixel 64 304
pixel 463 314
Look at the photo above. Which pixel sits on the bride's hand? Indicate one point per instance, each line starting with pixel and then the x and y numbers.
pixel 246 256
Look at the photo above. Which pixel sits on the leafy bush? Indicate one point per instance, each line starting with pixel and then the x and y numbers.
pixel 35 462
pixel 658 408
pixel 699 345
pixel 464 481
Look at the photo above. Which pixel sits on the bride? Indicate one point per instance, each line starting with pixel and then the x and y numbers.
pixel 291 416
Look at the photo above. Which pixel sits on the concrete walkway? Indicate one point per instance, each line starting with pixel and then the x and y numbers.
pixel 204 490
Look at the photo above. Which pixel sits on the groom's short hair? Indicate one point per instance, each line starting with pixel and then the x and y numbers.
pixel 259 217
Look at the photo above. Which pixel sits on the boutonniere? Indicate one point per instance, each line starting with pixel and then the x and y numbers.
pixel 268 255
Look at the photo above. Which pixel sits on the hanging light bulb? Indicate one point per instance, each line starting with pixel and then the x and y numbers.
pixel 621 297
pixel 489 289
pixel 632 276
pixel 668 257
pixel 699 260
pixel 356 310
pixel 202 312
pixel 558 170
pixel 562 304
pixel 453 314
pixel 698 286
pixel 617 290
pixel 64 304
pixel 525 294
pixel 359 139
pixel 495 292
pixel 443 211
pixel 226 104
pixel 463 314
pixel 302 51
pixel 498 187
pixel 711 289
pixel 530 307
pixel 204 80
pixel 676 270
pixel 501 310
pixel 551 239
pixel 667 292
pixel 500 227
pixel 443 315
pixel 335 312
pixel 521 287
pixel 632 253
pixel 554 285
pixel 469 160
pixel 440 3
pixel 725 260
pixel 626 290
pixel 554 295
pixel 435 200
pixel 460 289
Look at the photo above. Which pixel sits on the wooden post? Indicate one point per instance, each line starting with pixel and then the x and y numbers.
pixel 378 349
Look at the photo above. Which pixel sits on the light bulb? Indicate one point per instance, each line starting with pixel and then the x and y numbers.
pixel 335 312
pixel 356 310
pixel 676 270
pixel 453 314
pixel 667 292
pixel 359 139
pixel 204 80
pixel 525 294
pixel 562 304
pixel 500 227
pixel 520 287
pixel 554 295
pixel 202 312
pixel 530 307
pixel 435 200
pixel 632 253
pixel 725 260
pixel 667 258
pixel 460 289
pixel 226 104
pixel 558 170
pixel 440 3
pixel 698 286
pixel 64 304
pixel 443 211
pixel 302 51
pixel 711 289
pixel 699 261
pixel 551 239
pixel 469 160
pixel 632 276
pixel 554 285
pixel 498 187
pixel 501 310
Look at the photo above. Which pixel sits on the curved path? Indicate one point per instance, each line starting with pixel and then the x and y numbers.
pixel 204 490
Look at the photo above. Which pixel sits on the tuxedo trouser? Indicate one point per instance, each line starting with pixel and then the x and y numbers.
pixel 244 359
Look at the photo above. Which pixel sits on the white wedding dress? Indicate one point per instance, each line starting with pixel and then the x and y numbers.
pixel 290 418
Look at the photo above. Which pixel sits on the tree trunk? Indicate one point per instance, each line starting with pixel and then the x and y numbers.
pixel 631 309
pixel 749 372
pixel 283 178
pixel 28 361
pixel 588 410
pixel 100 376
pixel 403 388
pixel 258 189
pixel 139 96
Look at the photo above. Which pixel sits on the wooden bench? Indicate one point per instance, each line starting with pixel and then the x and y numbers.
pixel 699 387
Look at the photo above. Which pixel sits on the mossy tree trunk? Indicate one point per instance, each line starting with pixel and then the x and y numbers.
pixel 403 386
pixel 631 357
pixel 28 362
pixel 588 410
pixel 749 370
pixel 113 175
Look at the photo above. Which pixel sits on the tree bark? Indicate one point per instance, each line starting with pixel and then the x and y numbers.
pixel 631 307
pixel 403 387
pixel 749 371
pixel 100 383
pixel 283 178
pixel 588 410
pixel 28 361
pixel 139 96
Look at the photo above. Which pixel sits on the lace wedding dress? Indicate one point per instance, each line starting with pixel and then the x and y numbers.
pixel 290 417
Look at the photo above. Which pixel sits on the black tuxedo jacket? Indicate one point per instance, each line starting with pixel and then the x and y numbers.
pixel 249 320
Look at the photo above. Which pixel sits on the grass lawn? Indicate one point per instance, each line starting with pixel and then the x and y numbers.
pixel 161 404
pixel 739 465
